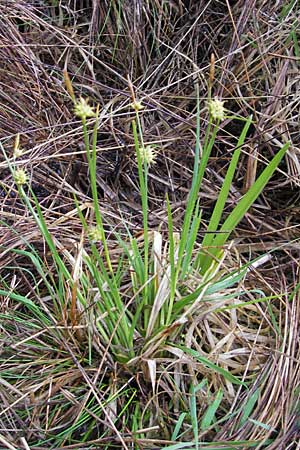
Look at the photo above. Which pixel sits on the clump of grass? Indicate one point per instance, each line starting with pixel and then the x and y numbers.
pixel 133 312
pixel 213 360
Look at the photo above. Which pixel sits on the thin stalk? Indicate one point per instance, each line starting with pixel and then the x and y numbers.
pixel 172 264
pixel 143 180
pixel 199 170
pixel 92 170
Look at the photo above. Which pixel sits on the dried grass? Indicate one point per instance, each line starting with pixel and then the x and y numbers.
pixel 45 381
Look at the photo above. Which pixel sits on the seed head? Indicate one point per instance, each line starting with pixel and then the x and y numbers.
pixel 137 106
pixel 83 110
pixel 216 109
pixel 95 234
pixel 148 154
pixel 20 177
pixel 18 152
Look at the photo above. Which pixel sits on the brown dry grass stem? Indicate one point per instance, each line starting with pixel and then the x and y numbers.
pixel 60 387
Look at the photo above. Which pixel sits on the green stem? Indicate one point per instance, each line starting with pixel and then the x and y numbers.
pixel 92 169
pixel 143 180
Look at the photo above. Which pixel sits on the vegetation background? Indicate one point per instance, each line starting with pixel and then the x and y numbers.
pixel 226 374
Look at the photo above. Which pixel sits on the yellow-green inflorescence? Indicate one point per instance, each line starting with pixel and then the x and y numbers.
pixel 18 152
pixel 20 177
pixel 137 105
pixel 95 234
pixel 216 109
pixel 83 110
pixel 147 154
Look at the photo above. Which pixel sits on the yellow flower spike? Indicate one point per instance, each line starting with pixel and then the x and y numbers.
pixel 17 150
pixel 83 110
pixel 95 234
pixel 137 106
pixel 69 86
pixel 20 177
pixel 17 142
pixel 216 109
pixel 148 154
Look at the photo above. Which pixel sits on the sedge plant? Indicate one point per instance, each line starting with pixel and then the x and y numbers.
pixel 143 300
pixel 139 303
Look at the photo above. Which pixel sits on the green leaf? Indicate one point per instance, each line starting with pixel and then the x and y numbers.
pixel 248 408
pixel 209 415
pixel 242 207
pixel 191 239
pixel 194 418
pixel 223 196
pixel 227 375
pixel 260 424
pixel 28 303
pixel 178 426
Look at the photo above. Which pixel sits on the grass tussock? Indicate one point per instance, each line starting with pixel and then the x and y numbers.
pixel 149 275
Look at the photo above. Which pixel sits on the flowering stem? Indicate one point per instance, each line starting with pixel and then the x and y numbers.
pixel 91 157
pixel 143 181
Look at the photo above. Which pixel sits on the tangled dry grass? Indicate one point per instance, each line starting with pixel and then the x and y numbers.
pixel 46 386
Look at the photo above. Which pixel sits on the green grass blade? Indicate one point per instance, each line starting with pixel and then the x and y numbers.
pixel 248 408
pixel 194 418
pixel 198 173
pixel 260 424
pixel 178 426
pixel 242 207
pixel 227 375
pixel 191 240
pixel 209 415
pixel 28 303
pixel 173 275
pixel 223 195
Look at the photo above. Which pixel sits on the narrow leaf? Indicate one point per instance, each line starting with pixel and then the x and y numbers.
pixel 223 195
pixel 243 205
pixel 209 415
pixel 248 408
pixel 210 365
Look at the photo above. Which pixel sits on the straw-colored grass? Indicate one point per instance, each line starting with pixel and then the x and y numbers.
pixel 220 371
